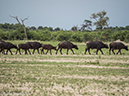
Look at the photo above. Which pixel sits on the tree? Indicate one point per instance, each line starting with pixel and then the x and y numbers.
pixel 45 28
pixel 11 26
pixel 75 28
pixel 101 20
pixel 127 27
pixel 22 24
pixel 17 25
pixel 40 28
pixel 6 26
pixel 50 28
pixel 32 28
pixel 57 29
pixel 87 24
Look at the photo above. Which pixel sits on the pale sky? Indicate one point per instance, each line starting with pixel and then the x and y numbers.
pixel 63 13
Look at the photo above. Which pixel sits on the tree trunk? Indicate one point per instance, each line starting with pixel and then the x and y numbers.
pixel 22 24
pixel 25 32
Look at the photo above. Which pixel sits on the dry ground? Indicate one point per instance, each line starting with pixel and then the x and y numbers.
pixel 64 75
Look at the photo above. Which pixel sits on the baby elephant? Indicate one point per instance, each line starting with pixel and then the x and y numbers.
pixel 117 45
pixel 47 47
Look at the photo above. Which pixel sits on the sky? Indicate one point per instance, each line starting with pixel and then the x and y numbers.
pixel 63 13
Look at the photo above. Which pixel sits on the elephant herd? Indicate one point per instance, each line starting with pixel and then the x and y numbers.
pixel 62 45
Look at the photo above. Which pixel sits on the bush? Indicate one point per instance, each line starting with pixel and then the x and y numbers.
pixel 1 34
pixel 77 37
pixel 47 35
pixel 33 35
pixel 54 35
pixel 44 35
pixel 63 35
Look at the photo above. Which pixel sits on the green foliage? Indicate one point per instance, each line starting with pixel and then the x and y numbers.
pixel 100 18
pixel 63 35
pixel 44 35
pixel 105 35
pixel 77 36
pixel 16 32
pixel 1 34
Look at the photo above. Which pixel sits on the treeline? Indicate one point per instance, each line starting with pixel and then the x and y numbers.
pixel 16 32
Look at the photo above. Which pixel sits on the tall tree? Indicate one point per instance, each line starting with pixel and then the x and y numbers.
pixel 101 19
pixel 87 24
pixel 22 24
pixel 75 28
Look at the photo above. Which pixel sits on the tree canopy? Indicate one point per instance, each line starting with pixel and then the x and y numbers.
pixel 101 19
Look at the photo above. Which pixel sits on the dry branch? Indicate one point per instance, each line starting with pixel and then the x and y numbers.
pixel 15 17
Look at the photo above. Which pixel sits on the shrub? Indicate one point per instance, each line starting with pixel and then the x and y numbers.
pixel 63 35
pixel 45 35
pixel 77 36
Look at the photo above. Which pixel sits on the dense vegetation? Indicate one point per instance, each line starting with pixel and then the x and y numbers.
pixel 16 32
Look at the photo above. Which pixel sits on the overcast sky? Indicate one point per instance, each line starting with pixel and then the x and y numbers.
pixel 63 13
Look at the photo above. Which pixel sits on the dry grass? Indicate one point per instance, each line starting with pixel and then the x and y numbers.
pixel 64 74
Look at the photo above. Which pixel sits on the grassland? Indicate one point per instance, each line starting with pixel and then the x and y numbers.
pixel 76 74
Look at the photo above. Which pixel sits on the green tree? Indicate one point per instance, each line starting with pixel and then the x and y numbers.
pixel 16 26
pixel 87 24
pixel 75 28
pixel 44 35
pixel 40 28
pixel 127 27
pixel 105 35
pixel 57 29
pixel 18 34
pixel 11 26
pixel 63 35
pixel 6 26
pixel 45 28
pixel 32 28
pixel 100 19
pixel 77 36
pixel 50 28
